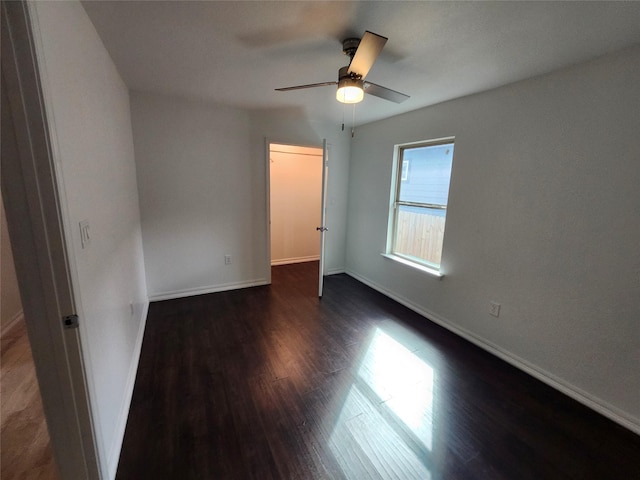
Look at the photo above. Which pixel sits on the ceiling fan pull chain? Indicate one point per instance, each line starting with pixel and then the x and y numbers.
pixel 353 122
pixel 344 105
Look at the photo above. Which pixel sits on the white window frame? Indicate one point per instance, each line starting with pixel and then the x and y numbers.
pixel 399 173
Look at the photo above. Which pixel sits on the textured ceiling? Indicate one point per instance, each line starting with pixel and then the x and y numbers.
pixel 237 52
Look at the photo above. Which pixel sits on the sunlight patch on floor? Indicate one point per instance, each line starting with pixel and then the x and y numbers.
pixel 386 421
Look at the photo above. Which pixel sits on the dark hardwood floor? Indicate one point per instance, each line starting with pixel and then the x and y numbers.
pixel 272 383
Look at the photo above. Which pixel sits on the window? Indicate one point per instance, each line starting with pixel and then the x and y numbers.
pixel 419 202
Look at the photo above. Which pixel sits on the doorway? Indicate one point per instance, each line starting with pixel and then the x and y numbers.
pixel 295 195
pixel 25 438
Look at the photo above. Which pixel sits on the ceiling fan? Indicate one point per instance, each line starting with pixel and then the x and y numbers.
pixel 351 79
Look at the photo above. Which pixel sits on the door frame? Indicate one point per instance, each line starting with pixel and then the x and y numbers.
pixel 33 205
pixel 323 215
pixel 267 152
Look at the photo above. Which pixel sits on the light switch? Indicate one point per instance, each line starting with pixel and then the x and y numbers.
pixel 85 237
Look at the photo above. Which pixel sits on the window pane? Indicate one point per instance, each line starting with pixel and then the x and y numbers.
pixel 419 233
pixel 427 174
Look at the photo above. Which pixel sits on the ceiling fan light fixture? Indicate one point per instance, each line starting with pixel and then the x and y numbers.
pixel 350 90
pixel 362 53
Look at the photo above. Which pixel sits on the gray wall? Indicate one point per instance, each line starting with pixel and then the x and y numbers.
pixel 544 218
pixel 88 109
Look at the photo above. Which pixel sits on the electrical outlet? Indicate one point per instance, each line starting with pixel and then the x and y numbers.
pixel 227 259
pixel 494 309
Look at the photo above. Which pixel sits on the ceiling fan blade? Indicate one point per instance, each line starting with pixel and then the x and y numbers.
pixel 311 85
pixel 370 47
pixel 384 92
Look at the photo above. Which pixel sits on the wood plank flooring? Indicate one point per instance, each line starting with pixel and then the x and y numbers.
pixel 272 383
pixel 24 439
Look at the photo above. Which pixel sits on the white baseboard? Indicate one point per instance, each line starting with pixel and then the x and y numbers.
pixel 553 381
pixel 287 261
pixel 12 323
pixel 334 271
pixel 114 456
pixel 189 292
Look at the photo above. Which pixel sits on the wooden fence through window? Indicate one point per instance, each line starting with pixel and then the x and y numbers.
pixel 420 235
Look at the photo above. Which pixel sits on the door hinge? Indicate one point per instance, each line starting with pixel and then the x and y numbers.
pixel 70 321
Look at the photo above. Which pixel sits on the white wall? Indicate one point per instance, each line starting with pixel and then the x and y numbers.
pixel 203 191
pixel 196 182
pixel 544 218
pixel 88 107
pixel 10 303
pixel 296 201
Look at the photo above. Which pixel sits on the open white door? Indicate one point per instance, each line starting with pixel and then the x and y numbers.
pixel 32 205
pixel 323 214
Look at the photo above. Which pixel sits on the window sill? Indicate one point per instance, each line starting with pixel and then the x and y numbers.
pixel 423 268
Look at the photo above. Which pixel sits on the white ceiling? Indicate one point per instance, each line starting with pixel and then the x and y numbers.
pixel 237 52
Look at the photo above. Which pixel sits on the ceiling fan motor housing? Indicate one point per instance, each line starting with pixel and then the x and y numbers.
pixel 349 46
pixel 343 74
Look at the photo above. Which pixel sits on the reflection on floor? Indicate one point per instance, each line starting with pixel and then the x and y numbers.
pixel 388 413
pixel 24 440
pixel 271 383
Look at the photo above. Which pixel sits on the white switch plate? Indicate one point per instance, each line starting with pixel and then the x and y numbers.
pixel 227 259
pixel 494 309
pixel 85 237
